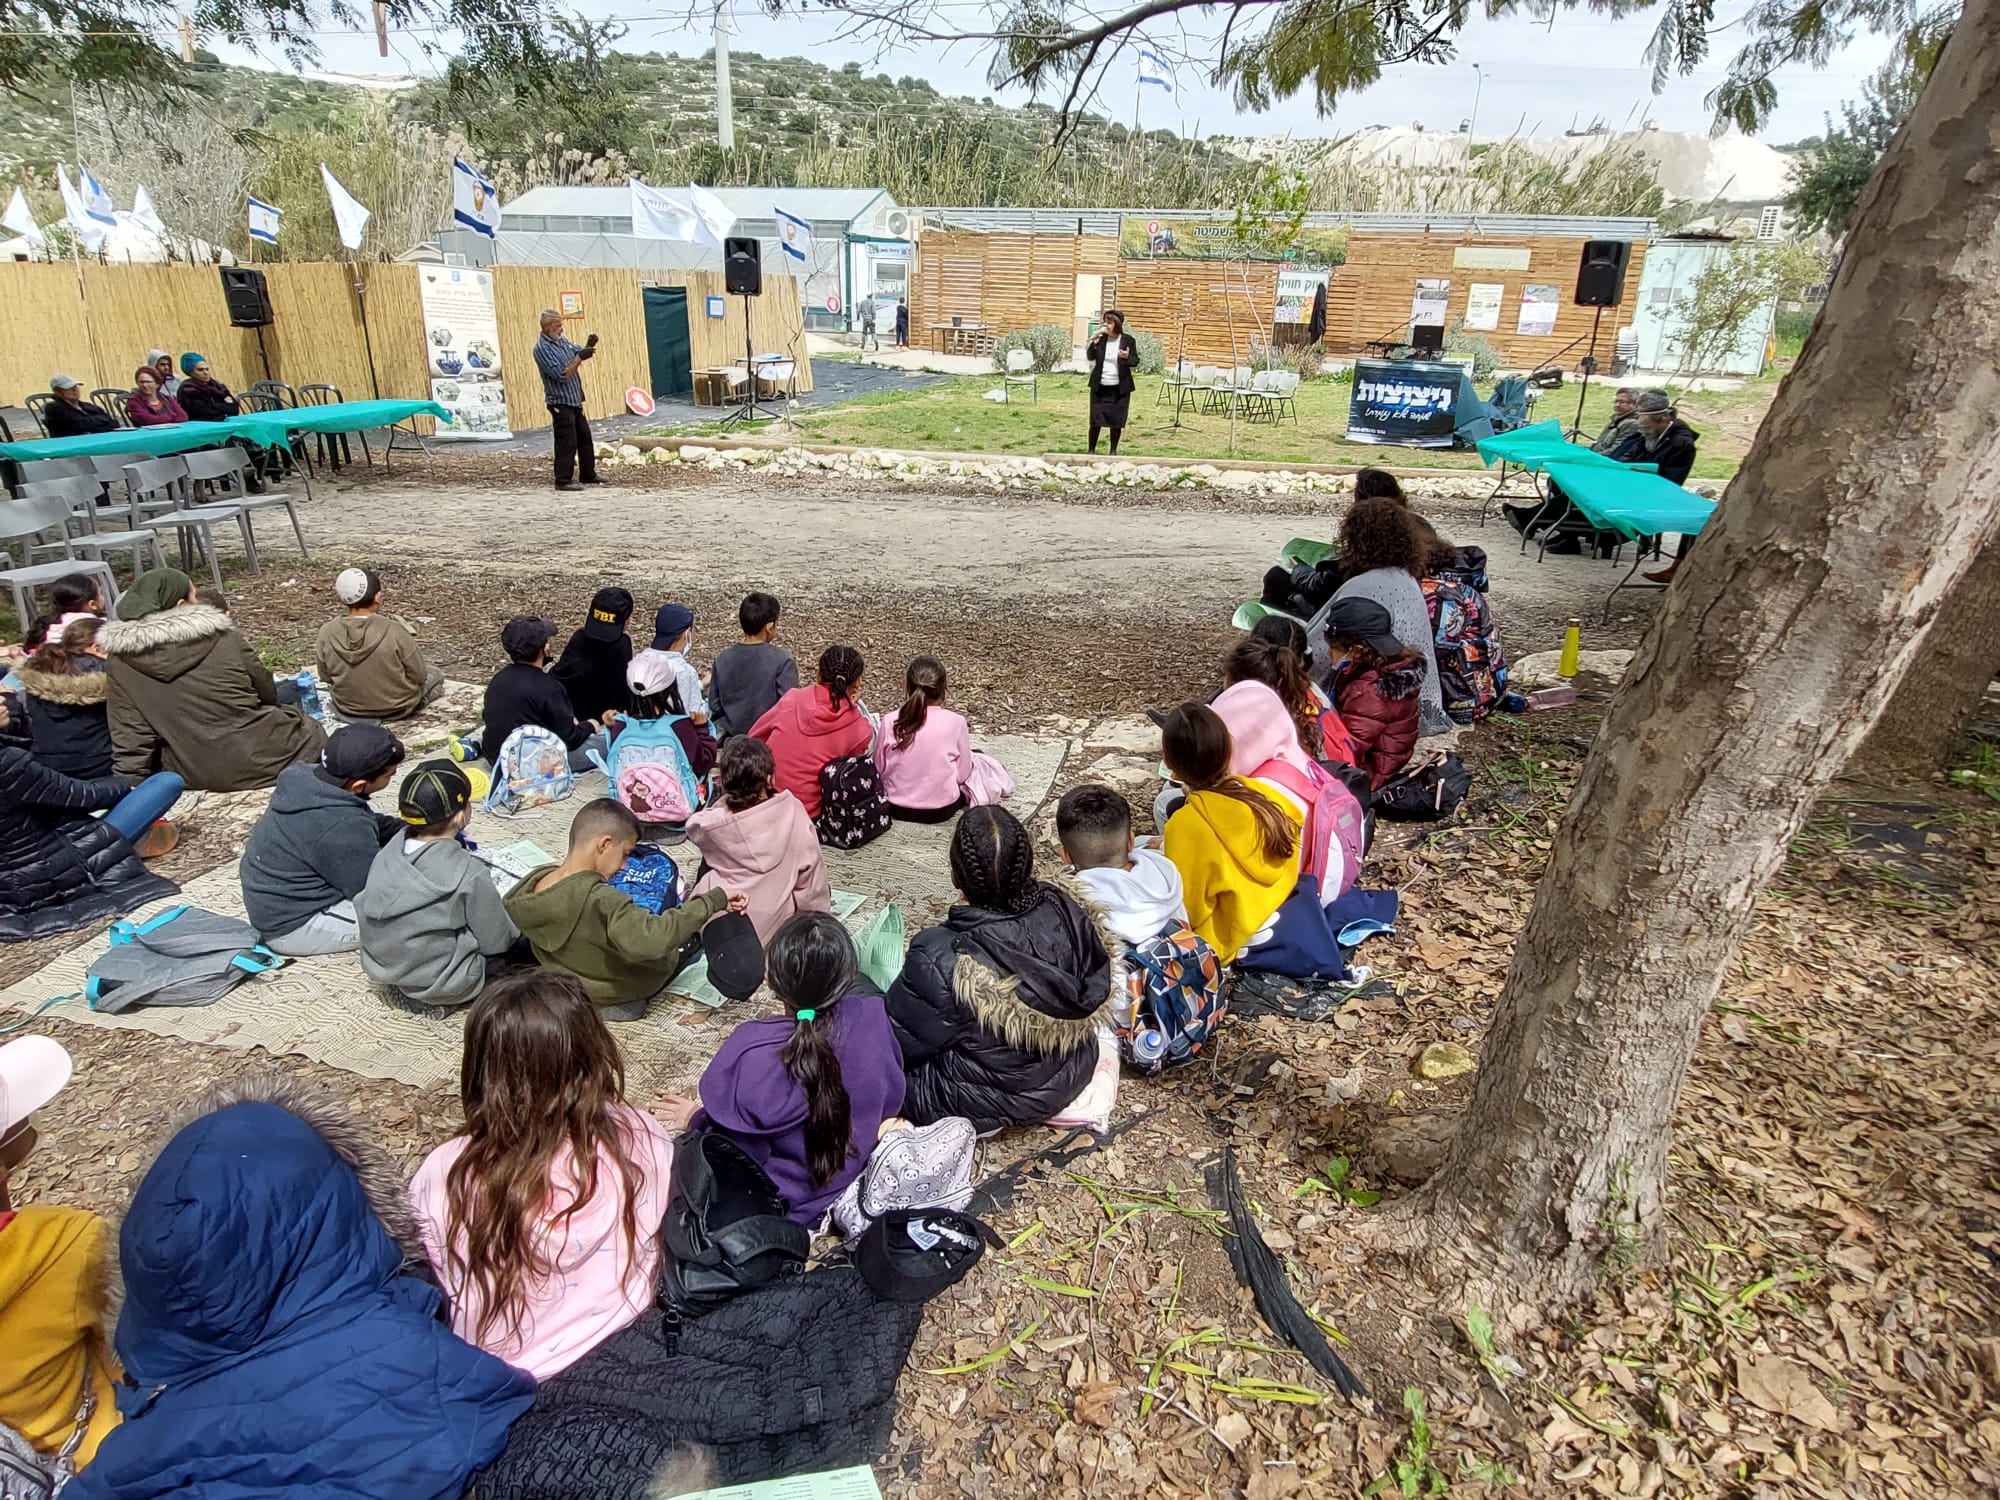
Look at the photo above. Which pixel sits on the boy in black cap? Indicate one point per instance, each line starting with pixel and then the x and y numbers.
pixel 308 857
pixel 593 661
pixel 522 692
pixel 432 923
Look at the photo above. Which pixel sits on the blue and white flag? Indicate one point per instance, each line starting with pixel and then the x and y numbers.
pixel 795 236
pixel 473 201
pixel 76 213
pixel 96 202
pixel 264 221
pixel 1153 69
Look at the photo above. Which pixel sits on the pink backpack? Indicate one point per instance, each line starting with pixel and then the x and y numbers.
pixel 1333 839
pixel 654 793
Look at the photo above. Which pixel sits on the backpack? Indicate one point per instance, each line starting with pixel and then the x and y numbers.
pixel 1173 987
pixel 1425 793
pixel 726 1232
pixel 853 810
pixel 1334 835
pixel 530 770
pixel 926 1166
pixel 1471 664
pixel 650 877
pixel 649 771
pixel 26 1474
pixel 183 956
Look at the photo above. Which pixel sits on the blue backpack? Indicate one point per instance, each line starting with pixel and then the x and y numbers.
pixel 650 877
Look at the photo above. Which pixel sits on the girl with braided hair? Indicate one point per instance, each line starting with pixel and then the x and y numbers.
pixel 811 726
pixel 997 1011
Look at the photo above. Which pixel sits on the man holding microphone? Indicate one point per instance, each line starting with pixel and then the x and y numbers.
pixel 562 387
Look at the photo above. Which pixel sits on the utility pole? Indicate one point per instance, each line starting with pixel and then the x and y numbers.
pixel 725 113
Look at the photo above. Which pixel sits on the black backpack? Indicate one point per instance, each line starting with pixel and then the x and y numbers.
pixel 726 1232
pixel 1425 793
pixel 852 809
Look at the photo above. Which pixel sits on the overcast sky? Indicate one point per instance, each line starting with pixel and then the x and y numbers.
pixel 1531 78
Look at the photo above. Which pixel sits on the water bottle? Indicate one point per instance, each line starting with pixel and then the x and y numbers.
pixel 309 694
pixel 1148 1046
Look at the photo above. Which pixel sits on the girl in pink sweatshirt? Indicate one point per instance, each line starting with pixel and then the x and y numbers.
pixel 929 770
pixel 759 841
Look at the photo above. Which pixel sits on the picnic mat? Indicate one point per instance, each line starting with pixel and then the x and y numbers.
pixel 327 1009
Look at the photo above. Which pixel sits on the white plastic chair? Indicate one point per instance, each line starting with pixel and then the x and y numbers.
pixel 225 472
pixel 1021 371
pixel 28 521
pixel 1282 395
pixel 161 485
pixel 80 493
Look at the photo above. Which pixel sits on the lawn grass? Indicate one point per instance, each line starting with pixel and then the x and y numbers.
pixel 955 415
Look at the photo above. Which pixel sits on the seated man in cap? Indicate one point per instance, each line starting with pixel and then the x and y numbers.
pixel 1655 436
pixel 308 857
pixel 69 415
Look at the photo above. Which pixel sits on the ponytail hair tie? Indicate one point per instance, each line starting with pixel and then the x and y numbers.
pixel 806 1015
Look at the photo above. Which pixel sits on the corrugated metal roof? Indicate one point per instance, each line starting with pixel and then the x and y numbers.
pixel 820 205
pixel 1104 222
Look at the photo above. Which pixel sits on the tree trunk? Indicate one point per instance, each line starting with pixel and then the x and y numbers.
pixel 1924 722
pixel 1873 483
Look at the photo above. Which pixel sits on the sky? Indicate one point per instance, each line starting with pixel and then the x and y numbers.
pixel 1531 78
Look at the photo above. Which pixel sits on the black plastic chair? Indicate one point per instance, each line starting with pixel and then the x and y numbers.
pixel 115 401
pixel 332 447
pixel 260 398
pixel 36 404
pixel 283 394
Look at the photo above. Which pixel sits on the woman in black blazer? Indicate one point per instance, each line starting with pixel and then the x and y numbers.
pixel 1114 357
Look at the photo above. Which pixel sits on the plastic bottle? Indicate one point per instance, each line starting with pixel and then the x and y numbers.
pixel 309 694
pixel 1148 1046
pixel 1561 696
pixel 1571 651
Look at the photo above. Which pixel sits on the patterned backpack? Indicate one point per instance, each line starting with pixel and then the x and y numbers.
pixel 650 877
pixel 531 770
pixel 924 1166
pixel 853 810
pixel 1173 999
pixel 1471 664
pixel 649 772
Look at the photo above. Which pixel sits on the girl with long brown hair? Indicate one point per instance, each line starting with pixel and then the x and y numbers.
pixel 1235 843
pixel 542 1220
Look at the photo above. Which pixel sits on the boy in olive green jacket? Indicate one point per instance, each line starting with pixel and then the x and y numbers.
pixel 623 953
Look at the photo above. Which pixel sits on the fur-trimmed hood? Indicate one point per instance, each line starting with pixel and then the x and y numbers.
pixel 79 689
pixel 184 625
pixel 1048 974
pixel 1400 679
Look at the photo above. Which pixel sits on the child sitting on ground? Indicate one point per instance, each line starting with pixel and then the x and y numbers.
pixel 309 855
pixel 1277 655
pixel 655 693
pixel 751 675
pixel 575 921
pixel 55 1287
pixel 673 630
pixel 758 840
pixel 522 693
pixel 76 595
pixel 811 727
pixel 929 770
pixel 432 924
pixel 63 689
pixel 542 1255
pixel 593 661
pixel 1376 683
pixel 369 661
pixel 808 1092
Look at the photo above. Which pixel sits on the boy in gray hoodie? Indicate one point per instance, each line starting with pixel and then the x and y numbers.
pixel 432 922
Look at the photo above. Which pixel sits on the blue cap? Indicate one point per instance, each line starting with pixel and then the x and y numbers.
pixel 670 624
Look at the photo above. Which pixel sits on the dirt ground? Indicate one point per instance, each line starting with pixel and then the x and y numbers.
pixel 1826 1322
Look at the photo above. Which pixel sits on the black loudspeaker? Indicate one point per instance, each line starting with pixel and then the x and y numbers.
pixel 248 300
pixel 1600 279
pixel 742 267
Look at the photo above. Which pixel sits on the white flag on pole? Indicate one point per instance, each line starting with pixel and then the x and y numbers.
pixel 89 233
pixel 473 201
pixel 716 219
pixel 1153 70
pixel 20 219
pixel 96 202
pixel 795 237
pixel 656 216
pixel 263 220
pixel 348 215
pixel 143 215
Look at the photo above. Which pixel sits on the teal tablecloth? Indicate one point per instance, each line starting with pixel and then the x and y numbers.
pixel 140 442
pixel 1632 503
pixel 261 427
pixel 269 427
pixel 1535 448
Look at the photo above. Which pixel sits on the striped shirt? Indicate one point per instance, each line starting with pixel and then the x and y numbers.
pixel 551 355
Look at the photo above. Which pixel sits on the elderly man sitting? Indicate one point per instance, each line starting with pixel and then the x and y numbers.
pixel 1624 420
pixel 1656 436
pixel 69 415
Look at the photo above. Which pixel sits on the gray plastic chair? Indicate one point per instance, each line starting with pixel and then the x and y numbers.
pixel 29 520
pixel 158 480
pixel 80 493
pixel 223 471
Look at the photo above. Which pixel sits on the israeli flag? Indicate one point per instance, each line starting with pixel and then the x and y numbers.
pixel 96 202
pixel 473 201
pixel 1153 69
pixel 263 221
pixel 795 236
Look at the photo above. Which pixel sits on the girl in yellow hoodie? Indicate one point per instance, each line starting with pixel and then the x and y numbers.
pixel 1234 841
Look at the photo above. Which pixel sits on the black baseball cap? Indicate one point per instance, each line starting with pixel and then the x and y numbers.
pixel 1364 620
pixel 436 792
pixel 912 1254
pixel 523 637
pixel 735 956
pixel 360 752
pixel 609 610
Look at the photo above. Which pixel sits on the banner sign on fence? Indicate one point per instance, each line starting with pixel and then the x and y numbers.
pixel 1160 238
pixel 1406 402
pixel 1295 294
pixel 462 345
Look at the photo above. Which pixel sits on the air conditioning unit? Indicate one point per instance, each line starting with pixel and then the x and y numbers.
pixel 454 257
pixel 898 223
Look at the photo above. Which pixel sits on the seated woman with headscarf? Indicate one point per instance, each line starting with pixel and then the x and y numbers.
pixel 149 406
pixel 202 396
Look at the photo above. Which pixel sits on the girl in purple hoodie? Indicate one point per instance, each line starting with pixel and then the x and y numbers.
pixel 806 1094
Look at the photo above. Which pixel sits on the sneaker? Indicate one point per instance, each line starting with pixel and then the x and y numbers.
pixel 459 749
pixel 631 1010
pixel 571 488
pixel 160 839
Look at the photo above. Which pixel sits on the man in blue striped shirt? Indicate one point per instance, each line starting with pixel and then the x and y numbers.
pixel 562 387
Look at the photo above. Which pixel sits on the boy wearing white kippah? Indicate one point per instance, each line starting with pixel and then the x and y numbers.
pixel 369 661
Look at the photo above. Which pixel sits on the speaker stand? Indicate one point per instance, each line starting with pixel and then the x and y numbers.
pixel 1589 367
pixel 263 355
pixel 751 409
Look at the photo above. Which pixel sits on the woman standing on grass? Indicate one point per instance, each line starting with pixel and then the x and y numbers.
pixel 1113 357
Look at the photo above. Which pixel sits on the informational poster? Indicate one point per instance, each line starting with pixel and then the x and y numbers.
pixel 1482 305
pixel 1538 309
pixel 1411 403
pixel 462 342
pixel 1296 286
pixel 1431 307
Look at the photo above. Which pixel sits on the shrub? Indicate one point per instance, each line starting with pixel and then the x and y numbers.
pixel 1485 358
pixel 1152 353
pixel 1303 360
pixel 1049 344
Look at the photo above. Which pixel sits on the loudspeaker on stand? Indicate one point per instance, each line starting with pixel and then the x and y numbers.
pixel 742 266
pixel 246 297
pixel 1600 276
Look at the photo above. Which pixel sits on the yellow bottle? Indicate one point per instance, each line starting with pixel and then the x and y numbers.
pixel 1572 648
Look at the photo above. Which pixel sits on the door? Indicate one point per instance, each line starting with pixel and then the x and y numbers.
pixel 668 351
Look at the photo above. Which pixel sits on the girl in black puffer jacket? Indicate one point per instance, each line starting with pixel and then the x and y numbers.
pixel 65 689
pixel 997 1011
